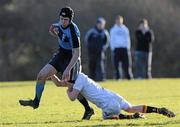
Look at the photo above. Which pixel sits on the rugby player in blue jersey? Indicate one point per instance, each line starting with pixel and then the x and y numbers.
pixel 66 61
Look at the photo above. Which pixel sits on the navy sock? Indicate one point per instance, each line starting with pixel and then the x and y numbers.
pixel 149 109
pixel 39 91
pixel 84 102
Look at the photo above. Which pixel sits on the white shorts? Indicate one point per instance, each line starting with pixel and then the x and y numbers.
pixel 114 107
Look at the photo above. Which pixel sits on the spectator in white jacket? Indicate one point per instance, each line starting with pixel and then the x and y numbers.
pixel 120 46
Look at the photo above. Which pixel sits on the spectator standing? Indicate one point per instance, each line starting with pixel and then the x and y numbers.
pixel 97 41
pixel 120 46
pixel 143 55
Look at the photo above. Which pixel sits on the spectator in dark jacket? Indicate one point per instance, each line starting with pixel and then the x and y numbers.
pixel 143 55
pixel 96 41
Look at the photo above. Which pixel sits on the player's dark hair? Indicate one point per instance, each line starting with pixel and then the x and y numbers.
pixel 143 21
pixel 67 12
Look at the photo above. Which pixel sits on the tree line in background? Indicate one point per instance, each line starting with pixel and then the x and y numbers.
pixel 25 44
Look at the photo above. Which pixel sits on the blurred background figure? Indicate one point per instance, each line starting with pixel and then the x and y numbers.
pixel 143 55
pixel 120 46
pixel 97 41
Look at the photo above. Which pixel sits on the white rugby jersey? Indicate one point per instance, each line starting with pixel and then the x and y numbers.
pixel 119 37
pixel 93 91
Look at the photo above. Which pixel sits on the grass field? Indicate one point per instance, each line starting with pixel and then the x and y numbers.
pixel 57 111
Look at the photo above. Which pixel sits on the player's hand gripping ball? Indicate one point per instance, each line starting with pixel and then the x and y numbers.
pixel 54 30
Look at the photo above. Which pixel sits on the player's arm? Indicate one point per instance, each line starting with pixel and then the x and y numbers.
pixel 75 52
pixel 150 37
pixel 72 94
pixel 87 37
pixel 58 82
pixel 127 36
pixel 75 56
pixel 53 31
pixel 112 38
pixel 107 39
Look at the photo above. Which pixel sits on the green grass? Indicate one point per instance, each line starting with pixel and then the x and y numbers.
pixel 56 110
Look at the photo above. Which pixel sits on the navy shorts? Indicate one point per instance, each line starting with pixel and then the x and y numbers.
pixel 60 61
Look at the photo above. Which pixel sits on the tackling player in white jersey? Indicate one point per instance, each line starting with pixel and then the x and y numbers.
pixel 111 103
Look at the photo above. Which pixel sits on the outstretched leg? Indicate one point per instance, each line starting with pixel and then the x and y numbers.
pixel 47 71
pixel 149 109
pixel 124 116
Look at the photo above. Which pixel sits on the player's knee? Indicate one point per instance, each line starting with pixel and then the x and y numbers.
pixel 129 109
pixel 41 77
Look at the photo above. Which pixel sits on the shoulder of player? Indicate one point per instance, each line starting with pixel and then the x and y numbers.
pixel 74 28
pixel 81 75
pixel 92 31
pixel 80 79
pixel 112 29
pixel 73 25
pixel 125 27
pixel 138 32
pixel 151 31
